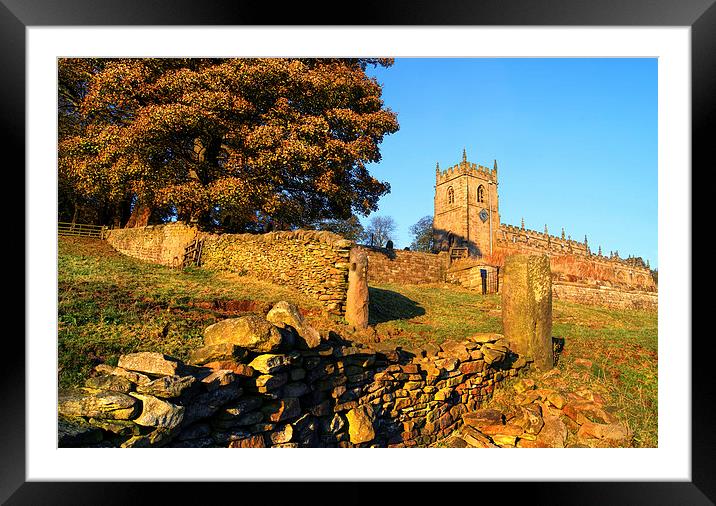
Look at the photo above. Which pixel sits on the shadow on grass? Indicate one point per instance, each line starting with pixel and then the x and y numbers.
pixel 386 305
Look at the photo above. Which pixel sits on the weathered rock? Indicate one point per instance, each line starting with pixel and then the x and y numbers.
pixel 357 294
pixel 527 307
pixel 217 379
pixel 455 442
pixel 504 430
pixel 523 385
pixel 255 441
pixel 504 440
pixel 285 313
pixel 242 406
pixel 613 433
pixel 250 418
pixel 229 365
pixel 158 413
pixel 76 432
pixel 120 427
pixel 167 386
pixel 472 367
pixel 267 382
pixel 483 417
pixel 158 437
pixel 196 431
pixel 553 433
pixel 586 411
pixel 251 332
pixel 360 424
pixel 281 410
pixel 150 363
pixel 296 389
pixel 110 382
pixel 455 349
pixel 530 419
pixel 492 356
pixel 134 377
pixel 206 404
pixel 556 399
pixel 475 438
pixel 429 350
pixel 93 403
pixel 270 363
pixel 485 337
pixel 282 434
pixel 216 352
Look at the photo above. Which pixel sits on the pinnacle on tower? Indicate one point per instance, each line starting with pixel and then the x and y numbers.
pixel 464 155
pixel 495 167
pixel 600 250
pixel 562 233
pixel 585 239
pixel 437 167
pixel 545 229
pixel 647 264
pixel 523 223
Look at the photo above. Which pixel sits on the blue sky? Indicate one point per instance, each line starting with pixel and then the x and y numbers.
pixel 575 142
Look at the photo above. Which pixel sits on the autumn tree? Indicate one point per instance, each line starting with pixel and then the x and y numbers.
pixel 239 144
pixel 422 232
pixel 380 230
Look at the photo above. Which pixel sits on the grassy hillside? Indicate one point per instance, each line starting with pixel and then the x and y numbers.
pixel 611 352
pixel 110 304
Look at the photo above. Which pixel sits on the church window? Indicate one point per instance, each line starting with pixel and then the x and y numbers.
pixel 481 193
pixel 451 195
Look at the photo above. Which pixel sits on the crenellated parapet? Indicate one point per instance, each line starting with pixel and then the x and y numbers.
pixel 465 168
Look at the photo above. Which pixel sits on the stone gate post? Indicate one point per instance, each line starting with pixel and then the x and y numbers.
pixel 357 296
pixel 527 307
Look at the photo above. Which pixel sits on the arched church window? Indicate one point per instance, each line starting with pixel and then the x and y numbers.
pixel 481 193
pixel 451 195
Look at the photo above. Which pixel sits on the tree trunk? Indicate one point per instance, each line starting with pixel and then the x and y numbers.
pixel 140 216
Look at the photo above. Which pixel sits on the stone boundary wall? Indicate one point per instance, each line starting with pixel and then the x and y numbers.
pixel 605 296
pixel 315 263
pixel 470 277
pixel 159 244
pixel 401 266
pixel 336 394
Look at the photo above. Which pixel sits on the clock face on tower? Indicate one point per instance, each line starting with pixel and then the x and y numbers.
pixel 483 215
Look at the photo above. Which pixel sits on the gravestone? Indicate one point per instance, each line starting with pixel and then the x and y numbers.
pixel 527 307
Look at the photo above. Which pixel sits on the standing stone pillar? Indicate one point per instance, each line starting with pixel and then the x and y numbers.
pixel 527 307
pixel 357 296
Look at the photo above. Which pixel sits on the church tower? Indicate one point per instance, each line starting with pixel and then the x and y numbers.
pixel 466 208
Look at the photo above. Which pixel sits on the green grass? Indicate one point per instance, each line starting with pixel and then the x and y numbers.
pixel 109 304
pixel 621 344
pixel 411 315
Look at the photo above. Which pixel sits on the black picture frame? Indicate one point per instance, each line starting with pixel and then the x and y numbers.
pixel 700 15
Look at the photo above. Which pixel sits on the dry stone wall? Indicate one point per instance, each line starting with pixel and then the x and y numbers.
pixel 605 296
pixel 400 266
pixel 316 263
pixel 159 244
pixel 294 392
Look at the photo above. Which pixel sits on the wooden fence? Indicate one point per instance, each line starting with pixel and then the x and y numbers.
pixel 81 230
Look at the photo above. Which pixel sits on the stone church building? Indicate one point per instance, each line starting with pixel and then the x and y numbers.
pixel 466 223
